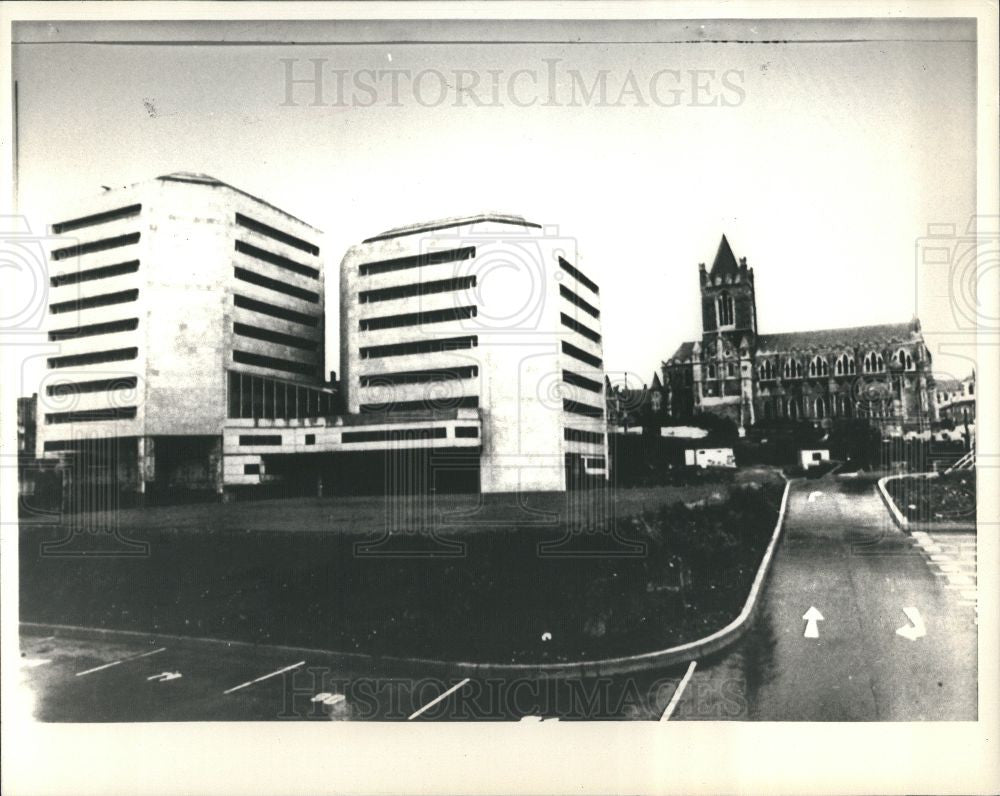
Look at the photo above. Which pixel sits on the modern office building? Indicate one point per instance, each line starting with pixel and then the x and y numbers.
pixel 485 313
pixel 174 305
pixel 470 357
pixel 187 321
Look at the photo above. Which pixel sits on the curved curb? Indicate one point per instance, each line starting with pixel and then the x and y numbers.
pixel 890 504
pixel 682 653
pixel 917 525
pixel 897 515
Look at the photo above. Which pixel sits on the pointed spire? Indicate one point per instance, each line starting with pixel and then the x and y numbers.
pixel 657 384
pixel 725 260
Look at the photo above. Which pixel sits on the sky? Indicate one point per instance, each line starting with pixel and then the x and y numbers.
pixel 823 162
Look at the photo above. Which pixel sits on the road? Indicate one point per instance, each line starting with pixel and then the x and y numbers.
pixel 840 554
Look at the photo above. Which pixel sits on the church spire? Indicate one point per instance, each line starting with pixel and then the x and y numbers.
pixel 725 260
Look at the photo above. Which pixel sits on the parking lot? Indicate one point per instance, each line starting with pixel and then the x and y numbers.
pixel 69 679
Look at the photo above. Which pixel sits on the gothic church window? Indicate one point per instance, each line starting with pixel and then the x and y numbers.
pixel 874 363
pixel 725 310
pixel 903 359
pixel 845 365
pixel 819 367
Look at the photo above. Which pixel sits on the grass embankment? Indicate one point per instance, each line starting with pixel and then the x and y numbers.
pixel 946 498
pixel 655 572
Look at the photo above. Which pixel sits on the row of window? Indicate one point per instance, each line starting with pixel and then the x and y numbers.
pixel 276 234
pixel 581 381
pixel 91 302
pixel 92 415
pixel 92 385
pixel 576 274
pixel 94 329
pixel 574 299
pixel 845 365
pixel 821 407
pixel 349 437
pixel 417 318
pixel 431 346
pixel 417 289
pixel 421 376
pixel 579 328
pixel 275 284
pixel 578 435
pixel 584 356
pixel 713 372
pixel 271 336
pixel 276 259
pixel 93 274
pixel 264 308
pixel 93 246
pixel 417 261
pixel 274 363
pixel 578 408
pixel 423 405
pixel 93 358
pixel 263 398
pixel 97 218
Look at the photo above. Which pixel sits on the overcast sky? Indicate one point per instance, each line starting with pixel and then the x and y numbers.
pixel 823 162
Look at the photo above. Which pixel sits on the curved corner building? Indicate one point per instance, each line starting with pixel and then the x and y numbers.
pixel 488 319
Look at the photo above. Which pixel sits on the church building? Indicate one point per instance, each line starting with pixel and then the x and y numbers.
pixel 881 373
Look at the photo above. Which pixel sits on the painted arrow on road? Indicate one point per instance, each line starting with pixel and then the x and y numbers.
pixel 917 630
pixel 814 496
pixel 812 616
pixel 162 677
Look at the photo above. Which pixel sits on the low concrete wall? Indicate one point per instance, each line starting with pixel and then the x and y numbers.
pixel 670 656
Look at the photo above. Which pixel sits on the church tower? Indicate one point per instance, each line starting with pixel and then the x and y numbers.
pixel 728 337
pixel 728 302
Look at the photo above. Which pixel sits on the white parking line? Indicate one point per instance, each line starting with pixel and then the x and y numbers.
pixel 677 694
pixel 123 660
pixel 265 677
pixel 437 699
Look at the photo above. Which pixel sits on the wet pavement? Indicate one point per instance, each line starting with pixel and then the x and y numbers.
pixel 896 641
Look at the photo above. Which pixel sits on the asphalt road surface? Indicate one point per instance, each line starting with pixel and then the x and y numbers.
pixel 896 642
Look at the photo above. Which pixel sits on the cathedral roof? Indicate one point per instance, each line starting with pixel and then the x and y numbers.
pixel 880 334
pixel 725 260
pixel 844 337
pixel 947 383
pixel 683 352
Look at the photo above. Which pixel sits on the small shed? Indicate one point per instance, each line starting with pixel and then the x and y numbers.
pixel 813 457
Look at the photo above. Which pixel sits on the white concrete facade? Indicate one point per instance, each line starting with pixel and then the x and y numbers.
pixel 485 313
pixel 160 290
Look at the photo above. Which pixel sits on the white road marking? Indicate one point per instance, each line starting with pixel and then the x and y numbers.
pixel 814 496
pixel 31 663
pixel 123 660
pixel 437 699
pixel 329 699
pixel 162 677
pixel 812 616
pixel 918 630
pixel 265 677
pixel 677 694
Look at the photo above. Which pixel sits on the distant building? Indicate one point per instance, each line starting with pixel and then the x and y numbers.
pixel 955 399
pixel 631 407
pixel 881 373
pixel 177 304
